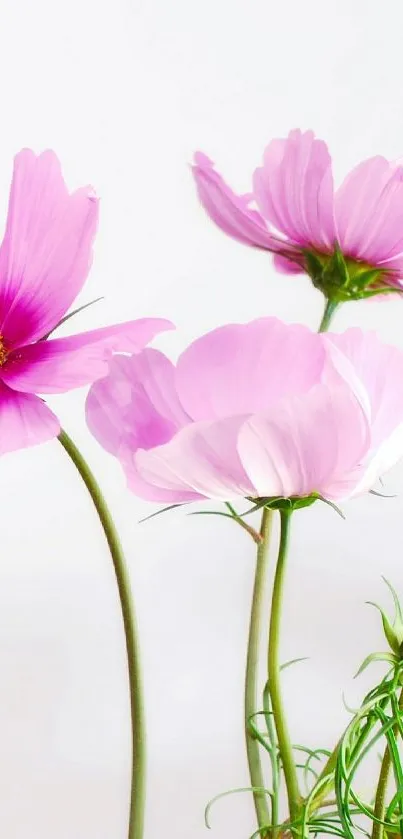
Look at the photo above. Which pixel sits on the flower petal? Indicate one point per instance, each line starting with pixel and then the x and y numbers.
pixel 369 212
pixel 228 210
pixel 46 252
pixel 245 368
pixel 375 371
pixel 62 364
pixel 25 420
pixel 201 458
pixel 287 266
pixel 136 403
pixel 136 406
pixel 294 190
pixel 306 444
pixel 149 491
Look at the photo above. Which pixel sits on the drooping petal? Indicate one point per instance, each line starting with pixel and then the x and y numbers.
pixel 310 443
pixel 287 266
pixel 229 211
pixel 136 403
pixel 294 190
pixel 201 458
pixel 62 364
pixel 245 368
pixel 369 212
pixel 25 420
pixel 46 251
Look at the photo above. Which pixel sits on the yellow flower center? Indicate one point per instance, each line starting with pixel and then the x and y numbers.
pixel 3 352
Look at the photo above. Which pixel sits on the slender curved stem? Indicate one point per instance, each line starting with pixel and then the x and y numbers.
pixel 284 743
pixel 137 799
pixel 330 308
pixel 382 788
pixel 252 664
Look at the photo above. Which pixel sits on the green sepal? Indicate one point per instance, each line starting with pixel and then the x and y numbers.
pixel 342 279
pixel 336 272
pixel 382 290
pixel 314 268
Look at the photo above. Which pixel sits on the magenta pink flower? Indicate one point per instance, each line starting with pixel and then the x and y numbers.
pixel 295 213
pixel 44 260
pixel 255 410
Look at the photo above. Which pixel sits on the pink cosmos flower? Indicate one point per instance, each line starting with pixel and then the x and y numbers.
pixel 44 260
pixel 254 410
pixel 294 212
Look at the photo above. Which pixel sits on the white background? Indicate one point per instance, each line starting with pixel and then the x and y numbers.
pixel 124 91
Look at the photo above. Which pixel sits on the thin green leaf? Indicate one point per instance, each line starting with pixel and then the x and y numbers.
pixel 164 510
pixel 293 661
pixel 398 608
pixel 211 513
pixel 228 792
pixel 389 657
pixel 234 517
pixel 387 628
pixel 347 707
pixel 381 494
pixel 263 502
pixel 70 315
pixel 332 505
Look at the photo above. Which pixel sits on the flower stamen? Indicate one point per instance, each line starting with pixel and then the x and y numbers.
pixel 3 352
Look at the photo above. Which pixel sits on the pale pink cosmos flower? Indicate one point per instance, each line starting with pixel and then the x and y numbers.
pixel 294 210
pixel 254 410
pixel 44 260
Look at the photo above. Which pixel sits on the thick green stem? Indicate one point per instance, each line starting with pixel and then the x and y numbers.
pixel 330 308
pixel 252 665
pixel 382 788
pixel 284 743
pixel 138 780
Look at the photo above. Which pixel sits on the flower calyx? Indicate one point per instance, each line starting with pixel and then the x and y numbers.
pixel 342 278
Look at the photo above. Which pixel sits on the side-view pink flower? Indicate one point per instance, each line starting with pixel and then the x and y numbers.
pixel 294 212
pixel 44 260
pixel 262 409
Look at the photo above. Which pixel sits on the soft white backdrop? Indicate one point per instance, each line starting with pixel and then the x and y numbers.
pixel 124 91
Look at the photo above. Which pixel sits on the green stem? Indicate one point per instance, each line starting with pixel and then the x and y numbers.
pixel 138 780
pixel 382 788
pixel 330 308
pixel 284 743
pixel 251 676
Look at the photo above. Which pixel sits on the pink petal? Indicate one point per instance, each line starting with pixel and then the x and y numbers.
pixel 25 421
pixel 46 252
pixel 62 364
pixel 136 404
pixel 286 266
pixel 201 458
pixel 294 190
pixel 146 489
pixel 246 368
pixel 228 210
pixel 306 444
pixel 369 212
pixel 375 371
